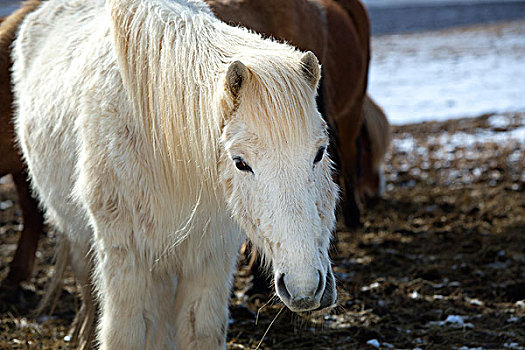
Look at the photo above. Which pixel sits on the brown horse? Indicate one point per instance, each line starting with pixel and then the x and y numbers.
pixel 338 32
pixel 10 163
pixel 373 142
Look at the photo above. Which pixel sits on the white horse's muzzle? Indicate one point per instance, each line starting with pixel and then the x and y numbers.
pixel 306 294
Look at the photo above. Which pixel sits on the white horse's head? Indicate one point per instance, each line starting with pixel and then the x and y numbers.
pixel 277 175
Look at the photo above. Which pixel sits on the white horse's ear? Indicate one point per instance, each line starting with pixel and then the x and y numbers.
pixel 235 78
pixel 310 68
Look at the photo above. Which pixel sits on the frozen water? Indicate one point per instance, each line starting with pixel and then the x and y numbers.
pixel 453 321
pixel 498 121
pixel 449 74
pixel 374 342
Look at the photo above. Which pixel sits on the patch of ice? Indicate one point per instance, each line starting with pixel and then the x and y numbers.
pixel 474 301
pixel 515 156
pixel 498 265
pixel 45 318
pixel 374 342
pixel 498 121
pixel 406 145
pixel 512 346
pixel 462 140
pixel 370 287
pixel 455 319
pixel 5 179
pixel 449 74
pixel 414 295
pixel 520 304
pixel 6 204
pixel 452 321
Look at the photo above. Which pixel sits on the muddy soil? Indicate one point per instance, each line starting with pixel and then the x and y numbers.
pixel 439 263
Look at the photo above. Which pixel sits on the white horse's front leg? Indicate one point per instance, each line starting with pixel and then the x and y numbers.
pixel 137 303
pixel 201 305
pixel 122 291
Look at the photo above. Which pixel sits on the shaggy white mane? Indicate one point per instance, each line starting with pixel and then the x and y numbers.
pixel 165 49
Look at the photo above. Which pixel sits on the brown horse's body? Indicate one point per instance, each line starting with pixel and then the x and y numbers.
pixel 338 33
pixel 10 162
pixel 374 139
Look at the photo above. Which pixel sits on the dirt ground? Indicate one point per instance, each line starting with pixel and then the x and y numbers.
pixel 439 263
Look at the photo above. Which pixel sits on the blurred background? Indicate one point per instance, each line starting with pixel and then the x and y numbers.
pixel 445 70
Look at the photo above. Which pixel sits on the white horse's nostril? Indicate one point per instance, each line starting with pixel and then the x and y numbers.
pixel 300 297
pixel 320 287
pixel 281 288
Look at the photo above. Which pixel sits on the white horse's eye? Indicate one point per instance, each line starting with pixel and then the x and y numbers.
pixel 319 155
pixel 241 164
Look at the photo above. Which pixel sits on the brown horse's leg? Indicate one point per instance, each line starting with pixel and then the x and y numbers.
pixel 252 259
pixel 347 145
pixel 22 264
pixel 351 204
pixel 260 283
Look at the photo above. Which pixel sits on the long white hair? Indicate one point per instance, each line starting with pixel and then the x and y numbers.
pixel 173 58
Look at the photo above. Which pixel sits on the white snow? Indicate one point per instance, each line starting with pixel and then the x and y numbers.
pixel 449 74
pixel 453 321
pixel 6 204
pixel 474 301
pixel 498 121
pixel 374 342
pixel 462 139
pixel 414 295
pixel 449 143
pixel 374 285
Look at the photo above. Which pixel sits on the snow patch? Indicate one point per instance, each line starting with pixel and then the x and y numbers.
pixel 453 321
pixel 449 74
pixel 374 342
pixel 6 204
pixel 498 121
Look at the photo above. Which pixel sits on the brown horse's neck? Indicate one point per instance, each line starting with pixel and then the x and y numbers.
pixel 297 22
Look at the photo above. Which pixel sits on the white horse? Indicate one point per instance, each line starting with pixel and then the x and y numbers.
pixel 154 135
